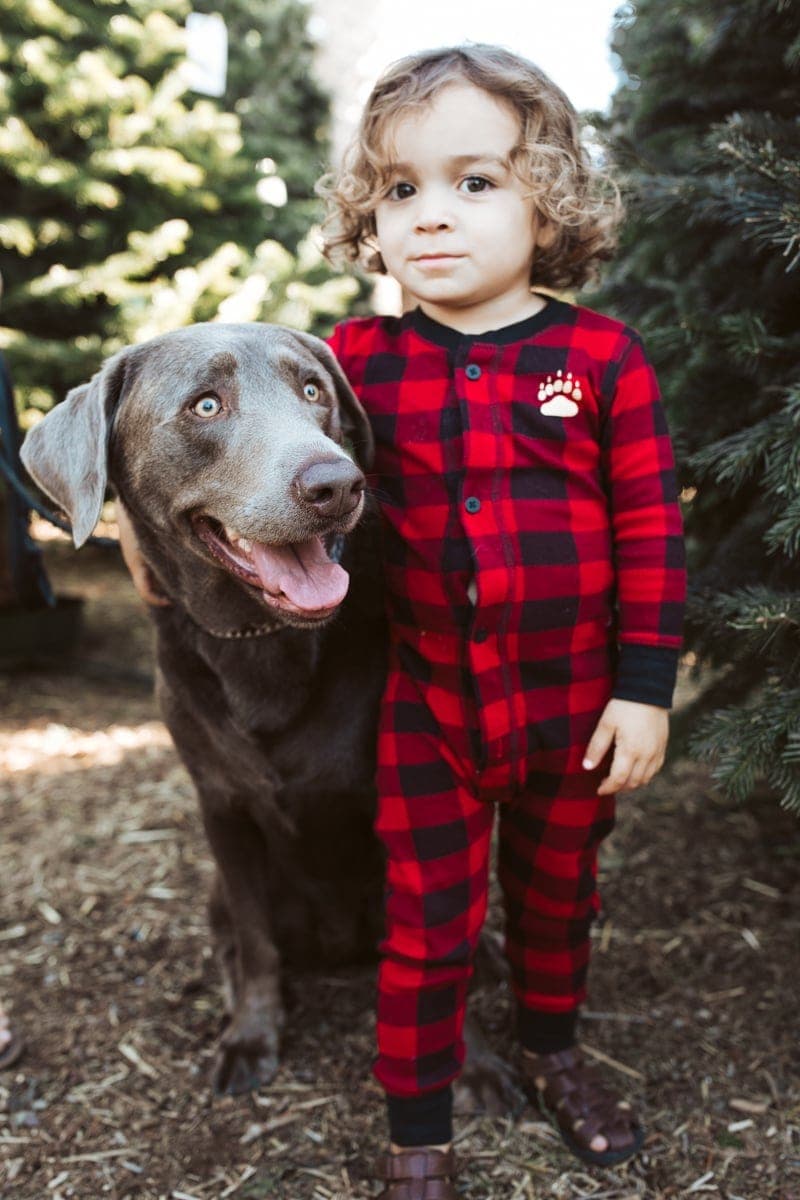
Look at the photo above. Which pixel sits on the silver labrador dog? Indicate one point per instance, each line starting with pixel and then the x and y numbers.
pixel 239 451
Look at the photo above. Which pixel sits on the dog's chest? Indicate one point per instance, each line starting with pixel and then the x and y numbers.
pixel 270 716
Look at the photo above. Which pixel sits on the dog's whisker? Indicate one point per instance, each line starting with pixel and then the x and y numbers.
pixel 377 494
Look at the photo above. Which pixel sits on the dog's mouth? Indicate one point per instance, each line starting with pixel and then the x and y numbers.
pixel 300 578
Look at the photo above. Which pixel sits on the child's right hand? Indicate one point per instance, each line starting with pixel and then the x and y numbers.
pixel 143 578
pixel 639 734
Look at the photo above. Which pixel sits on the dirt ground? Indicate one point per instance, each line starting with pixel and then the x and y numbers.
pixel 105 965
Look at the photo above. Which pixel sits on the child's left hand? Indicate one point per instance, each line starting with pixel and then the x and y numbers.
pixel 639 733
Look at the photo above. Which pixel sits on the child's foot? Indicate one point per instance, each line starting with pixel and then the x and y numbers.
pixel 421 1172
pixel 595 1124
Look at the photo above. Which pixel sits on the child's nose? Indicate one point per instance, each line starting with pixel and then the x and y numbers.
pixel 434 211
pixel 429 221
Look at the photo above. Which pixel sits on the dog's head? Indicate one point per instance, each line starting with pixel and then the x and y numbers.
pixel 229 441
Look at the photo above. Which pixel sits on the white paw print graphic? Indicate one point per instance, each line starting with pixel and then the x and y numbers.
pixel 559 397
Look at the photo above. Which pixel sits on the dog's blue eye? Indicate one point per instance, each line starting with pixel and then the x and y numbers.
pixel 206 406
pixel 311 391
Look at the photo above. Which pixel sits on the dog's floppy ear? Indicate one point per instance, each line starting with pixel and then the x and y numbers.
pixel 66 454
pixel 355 425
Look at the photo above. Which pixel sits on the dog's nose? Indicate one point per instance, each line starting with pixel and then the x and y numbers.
pixel 332 488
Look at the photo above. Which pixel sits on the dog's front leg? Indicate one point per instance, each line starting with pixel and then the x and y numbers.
pixel 487 1083
pixel 247 1055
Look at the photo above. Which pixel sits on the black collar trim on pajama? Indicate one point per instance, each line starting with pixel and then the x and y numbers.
pixel 453 339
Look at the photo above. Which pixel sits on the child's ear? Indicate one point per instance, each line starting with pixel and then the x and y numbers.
pixel 545 233
pixel 372 259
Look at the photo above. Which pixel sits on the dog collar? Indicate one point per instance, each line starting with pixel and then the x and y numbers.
pixel 248 631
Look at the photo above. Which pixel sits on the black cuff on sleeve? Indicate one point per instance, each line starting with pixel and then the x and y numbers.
pixel 646 674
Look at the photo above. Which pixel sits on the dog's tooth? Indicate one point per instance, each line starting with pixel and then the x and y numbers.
pixel 236 539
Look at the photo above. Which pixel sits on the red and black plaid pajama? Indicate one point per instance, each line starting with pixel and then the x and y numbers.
pixel 534 567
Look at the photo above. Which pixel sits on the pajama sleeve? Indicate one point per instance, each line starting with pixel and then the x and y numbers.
pixel 647 532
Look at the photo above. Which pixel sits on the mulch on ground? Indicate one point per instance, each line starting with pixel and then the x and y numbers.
pixel 105 964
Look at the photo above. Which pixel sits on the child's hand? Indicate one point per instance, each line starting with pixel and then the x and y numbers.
pixel 639 733
pixel 142 576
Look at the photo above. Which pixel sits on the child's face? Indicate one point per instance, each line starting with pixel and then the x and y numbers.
pixel 455 228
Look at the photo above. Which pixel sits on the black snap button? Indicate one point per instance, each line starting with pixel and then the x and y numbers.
pixel 473 371
pixel 472 504
pixel 480 635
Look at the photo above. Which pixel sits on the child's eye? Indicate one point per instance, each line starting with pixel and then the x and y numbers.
pixel 475 183
pixel 400 191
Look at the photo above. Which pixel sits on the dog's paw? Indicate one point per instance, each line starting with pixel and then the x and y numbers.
pixel 488 1085
pixel 247 1058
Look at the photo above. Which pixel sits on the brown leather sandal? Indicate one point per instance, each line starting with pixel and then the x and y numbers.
pixel 568 1089
pixel 418 1173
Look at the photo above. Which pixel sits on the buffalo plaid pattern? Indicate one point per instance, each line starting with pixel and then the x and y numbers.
pixel 534 567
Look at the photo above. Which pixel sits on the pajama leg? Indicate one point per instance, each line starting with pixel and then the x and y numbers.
pixel 437 837
pixel 548 842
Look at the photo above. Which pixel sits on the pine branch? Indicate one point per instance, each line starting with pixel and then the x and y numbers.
pixel 746 340
pixel 740 457
pixel 784 536
pixel 772 619
pixel 759 741
pixel 770 449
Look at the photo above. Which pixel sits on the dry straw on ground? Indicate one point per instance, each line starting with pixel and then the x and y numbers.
pixel 105 964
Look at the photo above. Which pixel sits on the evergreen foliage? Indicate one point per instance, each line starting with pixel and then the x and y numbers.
pixel 706 132
pixel 282 109
pixel 128 205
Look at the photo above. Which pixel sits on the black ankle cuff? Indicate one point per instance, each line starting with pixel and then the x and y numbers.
pixel 425 1120
pixel 546 1032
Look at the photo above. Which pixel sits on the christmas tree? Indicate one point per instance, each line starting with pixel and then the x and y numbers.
pixel 705 131
pixel 282 109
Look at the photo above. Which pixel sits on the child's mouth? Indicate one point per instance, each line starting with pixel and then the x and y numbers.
pixel 437 260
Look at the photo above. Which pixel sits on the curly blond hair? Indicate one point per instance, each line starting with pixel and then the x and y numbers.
pixel 580 202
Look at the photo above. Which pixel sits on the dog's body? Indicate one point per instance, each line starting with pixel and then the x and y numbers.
pixel 225 445
pixel 278 734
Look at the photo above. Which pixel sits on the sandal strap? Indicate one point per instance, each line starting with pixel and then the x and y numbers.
pixel 418 1174
pixel 418 1162
pixel 579 1100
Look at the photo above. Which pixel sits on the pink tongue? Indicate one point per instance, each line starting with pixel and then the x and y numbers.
pixel 303 572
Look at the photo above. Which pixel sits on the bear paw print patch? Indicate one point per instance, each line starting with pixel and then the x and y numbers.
pixel 560 397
